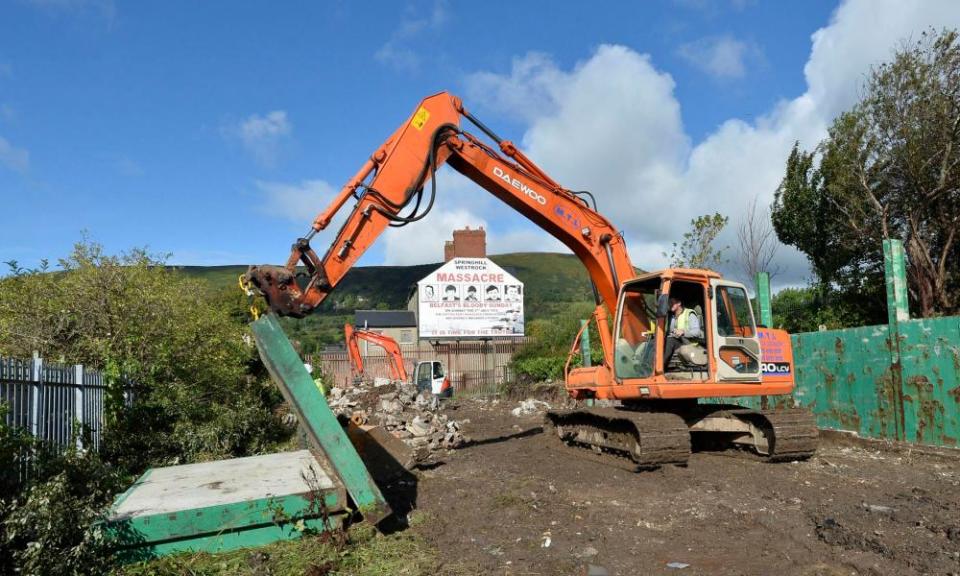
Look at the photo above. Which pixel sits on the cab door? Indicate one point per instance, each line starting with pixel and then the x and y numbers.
pixel 422 376
pixel 735 346
pixel 430 376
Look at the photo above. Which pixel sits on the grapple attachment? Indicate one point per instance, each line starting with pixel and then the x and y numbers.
pixel 292 290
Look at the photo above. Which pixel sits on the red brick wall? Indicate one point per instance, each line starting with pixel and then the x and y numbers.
pixel 466 243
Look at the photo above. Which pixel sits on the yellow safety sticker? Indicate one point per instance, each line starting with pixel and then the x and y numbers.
pixel 420 118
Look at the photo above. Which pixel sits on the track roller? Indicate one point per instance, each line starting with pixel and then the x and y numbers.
pixel 648 439
pixel 775 435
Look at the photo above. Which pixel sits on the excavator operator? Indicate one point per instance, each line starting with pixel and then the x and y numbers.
pixel 684 327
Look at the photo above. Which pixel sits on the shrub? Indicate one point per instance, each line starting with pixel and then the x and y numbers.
pixel 50 529
pixel 189 361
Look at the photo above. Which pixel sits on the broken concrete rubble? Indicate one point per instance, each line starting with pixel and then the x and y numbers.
pixel 530 406
pixel 414 417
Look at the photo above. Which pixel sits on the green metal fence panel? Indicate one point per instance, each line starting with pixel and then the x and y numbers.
pixel 930 361
pixel 323 430
pixel 844 377
pixel 852 381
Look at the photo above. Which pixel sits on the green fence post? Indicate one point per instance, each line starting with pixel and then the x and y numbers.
pixel 763 299
pixel 895 271
pixel 895 275
pixel 585 349
pixel 585 342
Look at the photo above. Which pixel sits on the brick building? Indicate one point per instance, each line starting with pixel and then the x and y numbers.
pixel 466 243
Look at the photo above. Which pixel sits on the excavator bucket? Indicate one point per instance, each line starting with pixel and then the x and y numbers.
pixel 385 456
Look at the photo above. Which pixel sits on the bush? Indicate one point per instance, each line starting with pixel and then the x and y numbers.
pixel 543 358
pixel 198 394
pixel 177 340
pixel 50 528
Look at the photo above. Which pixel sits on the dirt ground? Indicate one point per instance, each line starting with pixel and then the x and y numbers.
pixel 515 502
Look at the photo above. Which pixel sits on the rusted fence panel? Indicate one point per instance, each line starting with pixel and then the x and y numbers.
pixel 852 382
pixel 899 381
pixel 845 377
pixel 930 361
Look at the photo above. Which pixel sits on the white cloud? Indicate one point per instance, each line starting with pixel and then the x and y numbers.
pixel 397 52
pixel 16 159
pixel 106 9
pixel 719 56
pixel 296 202
pixel 262 136
pixel 612 125
pixel 422 242
pixel 528 93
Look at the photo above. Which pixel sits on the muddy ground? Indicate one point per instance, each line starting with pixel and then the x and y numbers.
pixel 514 502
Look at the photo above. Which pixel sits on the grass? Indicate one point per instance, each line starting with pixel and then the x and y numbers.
pixel 361 551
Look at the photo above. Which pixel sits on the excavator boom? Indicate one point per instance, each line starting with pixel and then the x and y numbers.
pixel 394 179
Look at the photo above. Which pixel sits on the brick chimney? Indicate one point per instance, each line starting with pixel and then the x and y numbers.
pixel 466 243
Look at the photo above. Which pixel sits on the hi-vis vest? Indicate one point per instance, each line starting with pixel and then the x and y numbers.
pixel 683 320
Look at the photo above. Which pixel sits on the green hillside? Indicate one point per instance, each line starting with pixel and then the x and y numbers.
pixel 551 281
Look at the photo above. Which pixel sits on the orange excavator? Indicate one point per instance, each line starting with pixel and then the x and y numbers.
pixel 660 405
pixel 352 336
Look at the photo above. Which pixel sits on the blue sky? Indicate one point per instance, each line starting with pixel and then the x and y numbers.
pixel 215 131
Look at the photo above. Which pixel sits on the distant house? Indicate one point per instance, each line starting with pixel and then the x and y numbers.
pixel 401 325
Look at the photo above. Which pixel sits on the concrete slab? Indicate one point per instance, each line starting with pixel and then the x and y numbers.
pixel 190 486
pixel 226 504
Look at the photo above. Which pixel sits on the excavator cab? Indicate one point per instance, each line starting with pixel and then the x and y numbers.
pixel 429 375
pixel 725 349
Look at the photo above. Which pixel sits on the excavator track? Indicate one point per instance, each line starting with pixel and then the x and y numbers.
pixel 795 434
pixel 785 434
pixel 647 439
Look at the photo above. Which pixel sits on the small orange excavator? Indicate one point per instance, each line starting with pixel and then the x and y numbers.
pixel 662 403
pixel 352 336
pixel 428 374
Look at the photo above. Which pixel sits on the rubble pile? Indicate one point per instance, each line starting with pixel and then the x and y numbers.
pixel 530 406
pixel 415 418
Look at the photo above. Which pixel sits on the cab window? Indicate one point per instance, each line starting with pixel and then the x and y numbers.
pixel 635 345
pixel 733 313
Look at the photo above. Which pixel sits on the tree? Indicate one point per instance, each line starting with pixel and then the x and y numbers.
pixel 801 310
pixel 757 243
pixel 889 168
pixel 169 336
pixel 697 249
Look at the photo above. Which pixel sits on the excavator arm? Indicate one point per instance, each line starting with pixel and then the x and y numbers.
pixel 398 370
pixel 390 189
